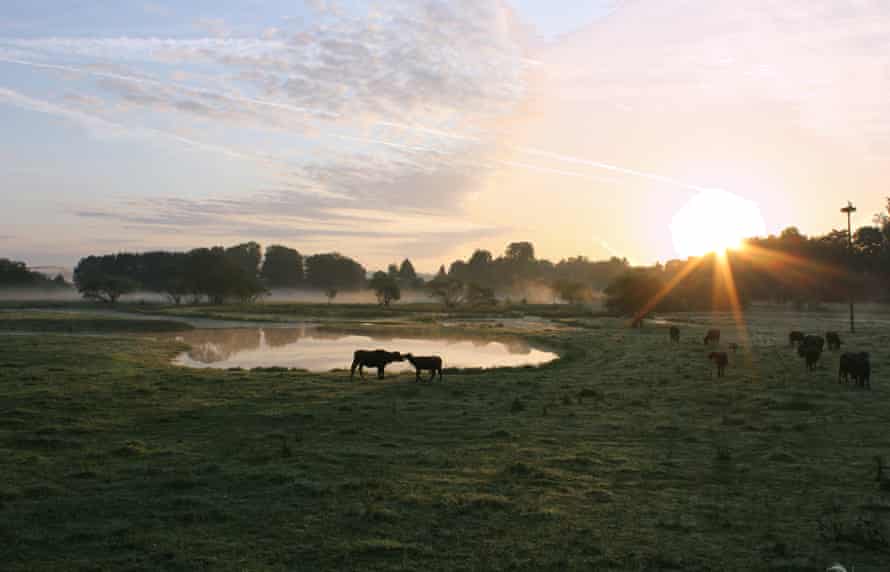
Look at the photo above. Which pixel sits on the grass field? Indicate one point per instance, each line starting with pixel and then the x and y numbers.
pixel 624 455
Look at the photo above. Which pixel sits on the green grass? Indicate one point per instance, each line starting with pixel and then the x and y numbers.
pixel 624 455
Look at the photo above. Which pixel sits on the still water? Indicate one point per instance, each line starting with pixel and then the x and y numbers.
pixel 314 350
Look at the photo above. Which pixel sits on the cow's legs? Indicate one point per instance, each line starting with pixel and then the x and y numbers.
pixel 352 369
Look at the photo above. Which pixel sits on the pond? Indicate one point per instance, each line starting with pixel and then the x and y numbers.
pixel 315 350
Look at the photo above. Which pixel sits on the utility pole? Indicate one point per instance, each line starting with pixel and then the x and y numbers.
pixel 850 209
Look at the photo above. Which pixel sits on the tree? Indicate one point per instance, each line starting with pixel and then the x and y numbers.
pixel 479 268
pixel 246 256
pixel 408 276
pixel 572 292
pixel 103 278
pixel 165 273
pixel 386 287
pixel 868 241
pixel 205 274
pixel 219 274
pixel 520 251
pixel 449 290
pixel 477 295
pixel 632 292
pixel 15 274
pixel 333 270
pixel 282 267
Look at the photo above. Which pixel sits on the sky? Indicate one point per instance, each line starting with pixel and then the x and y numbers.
pixel 386 129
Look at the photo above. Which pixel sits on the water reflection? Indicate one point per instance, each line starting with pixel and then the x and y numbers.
pixel 319 350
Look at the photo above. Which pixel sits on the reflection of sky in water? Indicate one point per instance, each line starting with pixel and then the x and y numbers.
pixel 316 350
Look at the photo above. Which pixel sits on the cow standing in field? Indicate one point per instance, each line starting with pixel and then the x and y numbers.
pixel 795 338
pixel 845 367
pixel 811 350
pixel 376 358
pixel 675 334
pixel 834 340
pixel 857 366
pixel 432 364
pixel 713 335
pixel 721 360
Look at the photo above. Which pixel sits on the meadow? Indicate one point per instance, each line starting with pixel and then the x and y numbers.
pixel 625 454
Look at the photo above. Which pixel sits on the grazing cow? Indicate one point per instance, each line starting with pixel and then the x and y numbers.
pixel 814 341
pixel 713 335
pixel 862 370
pixel 721 360
pixel 795 337
pixel 846 367
pixel 432 364
pixel 675 334
pixel 834 340
pixel 376 358
pixel 811 350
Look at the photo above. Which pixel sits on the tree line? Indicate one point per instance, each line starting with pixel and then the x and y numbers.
pixel 788 268
pixel 240 273
pixel 518 274
pixel 16 274
pixel 245 272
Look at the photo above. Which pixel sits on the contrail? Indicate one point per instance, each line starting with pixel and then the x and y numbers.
pixel 608 167
pixel 330 114
pixel 155 82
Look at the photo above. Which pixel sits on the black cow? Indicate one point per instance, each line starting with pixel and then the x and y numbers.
pixel 376 358
pixel 862 370
pixel 845 367
pixel 811 350
pixel 713 335
pixel 721 360
pixel 795 337
pixel 432 364
pixel 834 340
pixel 857 366
pixel 675 334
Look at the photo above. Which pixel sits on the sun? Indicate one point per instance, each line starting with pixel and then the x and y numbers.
pixel 715 221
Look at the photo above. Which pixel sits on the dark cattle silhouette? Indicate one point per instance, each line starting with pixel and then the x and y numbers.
pixel 811 350
pixel 857 366
pixel 814 341
pixel 675 334
pixel 713 335
pixel 432 364
pixel 721 360
pixel 834 340
pixel 862 370
pixel 845 367
pixel 795 337
pixel 375 358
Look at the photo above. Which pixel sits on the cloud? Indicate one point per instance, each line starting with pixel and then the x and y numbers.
pixel 92 123
pixel 216 27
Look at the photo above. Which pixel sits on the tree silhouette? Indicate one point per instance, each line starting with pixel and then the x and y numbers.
pixel 333 270
pixel 282 267
pixel 104 278
pixel 386 287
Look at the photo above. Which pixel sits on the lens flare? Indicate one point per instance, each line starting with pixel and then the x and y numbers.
pixel 714 221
